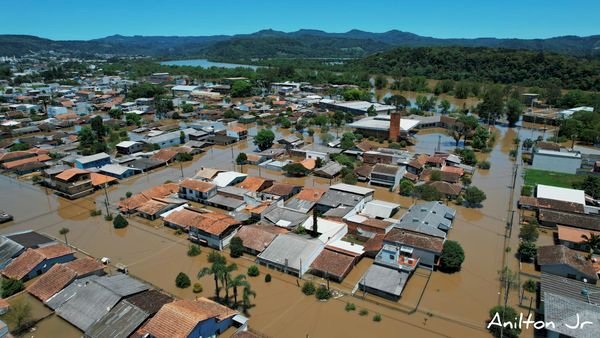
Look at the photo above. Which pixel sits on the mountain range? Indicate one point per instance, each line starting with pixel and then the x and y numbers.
pixel 268 43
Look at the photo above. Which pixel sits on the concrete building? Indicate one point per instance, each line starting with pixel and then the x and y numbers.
pixel 562 261
pixel 291 253
pixel 356 107
pixel 129 147
pixel 379 126
pixel 558 161
pixel 92 161
pixel 386 175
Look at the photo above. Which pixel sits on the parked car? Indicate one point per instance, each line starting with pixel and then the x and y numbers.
pixel 4 217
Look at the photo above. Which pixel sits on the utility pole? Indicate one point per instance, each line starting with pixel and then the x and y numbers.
pixel 181 168
pixel 106 198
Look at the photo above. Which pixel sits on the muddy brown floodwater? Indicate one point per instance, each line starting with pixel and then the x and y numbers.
pixel 453 305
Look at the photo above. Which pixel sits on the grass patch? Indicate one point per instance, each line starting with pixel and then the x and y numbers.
pixel 534 177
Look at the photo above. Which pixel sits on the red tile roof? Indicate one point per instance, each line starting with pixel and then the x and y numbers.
pixel 333 263
pixel 179 318
pixel 22 265
pixel 197 185
pixel 99 179
pixel 84 266
pixel 254 183
pixel 70 173
pixel 415 239
pixel 17 163
pixel 310 194
pixel 257 237
pixel 51 282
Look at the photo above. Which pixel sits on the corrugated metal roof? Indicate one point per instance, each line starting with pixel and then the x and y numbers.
pixel 8 250
pixel 119 322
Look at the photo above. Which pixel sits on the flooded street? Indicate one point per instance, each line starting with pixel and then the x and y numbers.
pixel 453 305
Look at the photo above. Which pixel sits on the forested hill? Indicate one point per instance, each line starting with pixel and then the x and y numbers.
pixel 485 65
pixel 273 44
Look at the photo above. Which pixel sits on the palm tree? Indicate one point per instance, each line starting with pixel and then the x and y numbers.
pixel 216 270
pixel 225 277
pixel 246 297
pixel 592 241
pixel 64 232
pixel 238 281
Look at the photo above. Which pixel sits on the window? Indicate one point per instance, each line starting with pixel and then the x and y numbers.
pixel 391 256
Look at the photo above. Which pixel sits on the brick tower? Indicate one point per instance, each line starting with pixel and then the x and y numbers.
pixel 394 126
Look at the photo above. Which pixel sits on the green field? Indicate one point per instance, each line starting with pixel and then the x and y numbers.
pixel 534 176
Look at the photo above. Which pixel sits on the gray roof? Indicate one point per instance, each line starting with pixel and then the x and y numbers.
pixel 285 217
pixel 294 249
pixel 30 239
pixel 8 250
pixel 563 311
pixel 432 218
pixel 335 198
pixel 122 285
pixel 228 202
pixel 384 279
pixel 121 321
pixel 87 300
pixel 299 205
pixel 568 287
pixel 338 212
pixel 237 191
pixel 92 158
pixel 83 302
pixel 332 168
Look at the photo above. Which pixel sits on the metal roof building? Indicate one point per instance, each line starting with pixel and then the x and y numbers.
pixel 291 253
pixel 121 321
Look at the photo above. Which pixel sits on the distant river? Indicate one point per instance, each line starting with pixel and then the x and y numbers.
pixel 204 63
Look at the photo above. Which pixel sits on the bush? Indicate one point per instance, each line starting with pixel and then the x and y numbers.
pixel 193 250
pixel 268 278
pixel 377 317
pixel 484 165
pixel 363 312
pixel 504 315
pixel 108 218
pixel 350 307
pixel 322 293
pixel 10 287
pixel 94 213
pixel 178 232
pixel 308 288
pixel 452 256
pixel 526 190
pixel 236 247
pixel 182 280
pixel 197 288
pixel 128 194
pixel 120 222
pixel 253 271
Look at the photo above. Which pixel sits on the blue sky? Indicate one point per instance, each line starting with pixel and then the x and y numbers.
pixel 76 19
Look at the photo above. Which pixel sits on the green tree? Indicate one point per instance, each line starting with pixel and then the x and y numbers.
pixel 591 186
pixel 427 193
pixel 481 137
pixel 474 196
pixel 308 288
pixel 349 178
pixel 492 104
pixel 193 250
pixel 216 269
pixel 295 169
pixel 19 147
pixel 115 113
pixel 241 159
pixel 264 139
pixel 592 242
pixel 347 141
pixel 253 271
pixel 444 106
pixel 187 108
pixel 406 187
pixel 64 231
pixel 461 90
pixel 246 294
pixel 529 232
pixel 514 109
pixel 500 315
pixel 182 281
pixel 20 314
pixel 452 256
pixel 181 137
pixel 133 118
pixel 235 283
pixel 527 250
pixel 398 101
pixel 371 111
pixel 322 293
pixel 436 175
pixel 241 88
pixel 236 246
pixel 120 222
pixel 10 286
pixel 380 82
